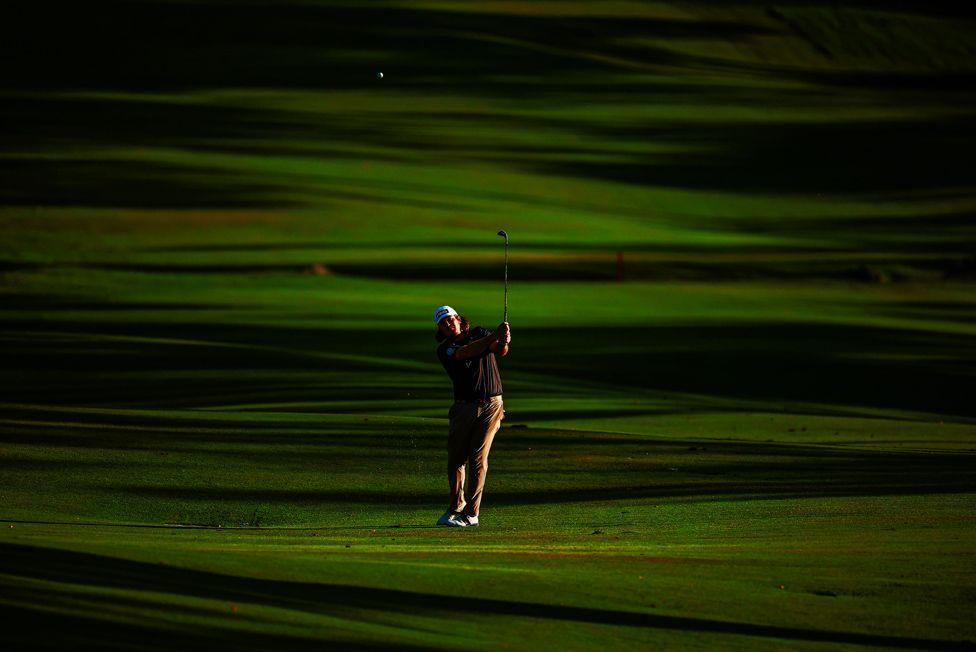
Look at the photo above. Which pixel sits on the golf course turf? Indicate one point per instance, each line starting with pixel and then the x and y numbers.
pixel 740 398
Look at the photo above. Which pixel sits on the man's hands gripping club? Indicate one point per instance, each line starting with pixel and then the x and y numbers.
pixel 503 335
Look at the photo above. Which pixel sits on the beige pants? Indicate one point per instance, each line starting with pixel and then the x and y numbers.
pixel 473 427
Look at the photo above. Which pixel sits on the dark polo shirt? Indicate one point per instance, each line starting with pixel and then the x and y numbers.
pixel 475 379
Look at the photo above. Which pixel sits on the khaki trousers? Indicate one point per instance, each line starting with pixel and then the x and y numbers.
pixel 473 427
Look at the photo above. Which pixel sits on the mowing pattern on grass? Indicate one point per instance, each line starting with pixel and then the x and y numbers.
pixel 739 402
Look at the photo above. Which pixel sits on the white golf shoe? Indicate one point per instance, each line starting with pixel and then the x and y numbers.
pixel 468 520
pixel 451 519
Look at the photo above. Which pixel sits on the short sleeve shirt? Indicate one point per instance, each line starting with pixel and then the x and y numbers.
pixel 474 379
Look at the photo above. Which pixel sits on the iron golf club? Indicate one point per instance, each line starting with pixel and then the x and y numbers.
pixel 505 235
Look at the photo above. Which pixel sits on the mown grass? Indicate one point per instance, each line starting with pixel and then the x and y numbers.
pixel 222 422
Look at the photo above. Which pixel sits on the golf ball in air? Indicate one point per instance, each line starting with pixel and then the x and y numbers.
pixel 379 75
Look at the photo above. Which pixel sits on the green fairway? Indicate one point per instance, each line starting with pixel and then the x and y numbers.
pixel 740 399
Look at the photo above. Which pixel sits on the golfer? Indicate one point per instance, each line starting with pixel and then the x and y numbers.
pixel 468 356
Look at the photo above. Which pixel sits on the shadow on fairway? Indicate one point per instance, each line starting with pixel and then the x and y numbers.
pixel 533 466
pixel 942 259
pixel 874 248
pixel 755 158
pixel 201 44
pixel 303 46
pixel 152 467
pixel 850 367
pixel 174 47
pixel 758 158
pixel 362 604
pixel 120 183
pixel 773 363
pixel 553 474
pixel 51 628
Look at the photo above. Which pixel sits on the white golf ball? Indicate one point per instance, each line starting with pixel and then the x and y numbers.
pixel 379 75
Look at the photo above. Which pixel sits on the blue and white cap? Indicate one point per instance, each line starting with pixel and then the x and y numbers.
pixel 442 312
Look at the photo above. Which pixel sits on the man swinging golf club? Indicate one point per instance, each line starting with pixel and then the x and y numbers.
pixel 469 357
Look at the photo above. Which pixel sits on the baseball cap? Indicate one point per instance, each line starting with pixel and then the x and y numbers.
pixel 442 312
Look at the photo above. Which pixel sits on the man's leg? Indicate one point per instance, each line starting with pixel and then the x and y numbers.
pixel 462 416
pixel 489 421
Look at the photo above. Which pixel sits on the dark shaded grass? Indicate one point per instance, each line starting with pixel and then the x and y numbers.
pixel 162 46
pixel 51 629
pixel 179 46
pixel 564 497
pixel 554 271
pixel 945 256
pixel 39 629
pixel 112 183
pixel 530 466
pixel 55 303
pixel 359 602
pixel 231 438
pixel 131 122
pixel 851 366
pixel 945 237
pixel 919 7
pixel 898 83
pixel 835 157
pixel 170 45
pixel 829 364
pixel 948 263
pixel 765 158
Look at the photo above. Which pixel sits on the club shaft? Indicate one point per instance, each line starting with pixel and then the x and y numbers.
pixel 506 280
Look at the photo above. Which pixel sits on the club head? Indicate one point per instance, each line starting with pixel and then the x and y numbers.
pixel 504 235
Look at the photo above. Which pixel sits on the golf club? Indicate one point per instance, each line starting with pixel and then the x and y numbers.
pixel 505 235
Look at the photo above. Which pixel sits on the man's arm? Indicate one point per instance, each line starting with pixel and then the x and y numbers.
pixel 497 342
pixel 476 348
